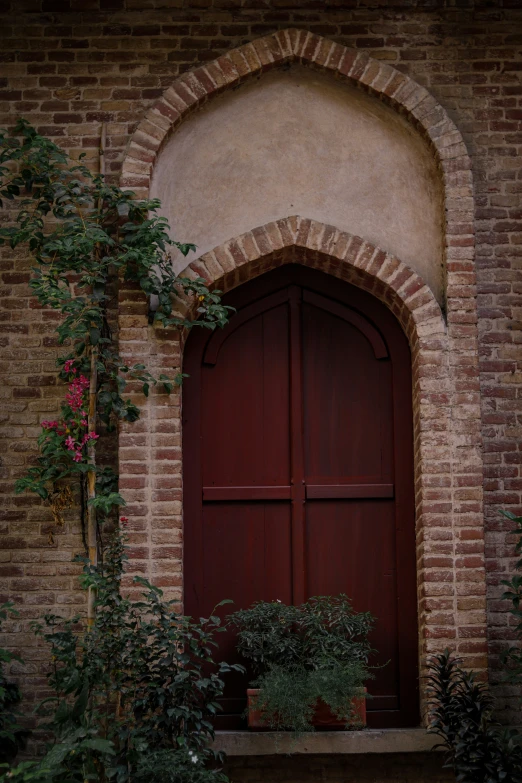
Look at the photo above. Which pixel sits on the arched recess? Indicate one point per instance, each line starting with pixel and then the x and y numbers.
pixel 449 527
pixel 194 88
pixel 448 458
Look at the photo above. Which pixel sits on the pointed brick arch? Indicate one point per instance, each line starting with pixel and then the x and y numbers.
pixel 448 465
pixel 339 253
pixel 359 262
pixel 194 88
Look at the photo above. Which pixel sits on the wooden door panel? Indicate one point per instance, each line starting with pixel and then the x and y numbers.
pixel 245 558
pixel 350 548
pixel 347 403
pixel 244 406
pixel 246 553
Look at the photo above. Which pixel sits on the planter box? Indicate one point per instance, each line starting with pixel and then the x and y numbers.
pixel 323 716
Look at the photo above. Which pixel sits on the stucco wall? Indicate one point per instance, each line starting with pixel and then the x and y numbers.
pixel 299 142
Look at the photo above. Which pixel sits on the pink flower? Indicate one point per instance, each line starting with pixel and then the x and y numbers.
pixel 70 443
pixel 78 456
pixel 89 436
pixel 83 422
pixel 68 366
pixel 75 395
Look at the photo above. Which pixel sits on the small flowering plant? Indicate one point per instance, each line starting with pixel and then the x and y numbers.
pixel 97 235
pixel 73 425
pixel 63 442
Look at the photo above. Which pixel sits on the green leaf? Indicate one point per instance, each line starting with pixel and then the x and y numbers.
pixel 99 744
pixel 80 705
pixel 186 248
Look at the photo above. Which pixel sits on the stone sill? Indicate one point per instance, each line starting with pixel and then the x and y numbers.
pixel 252 743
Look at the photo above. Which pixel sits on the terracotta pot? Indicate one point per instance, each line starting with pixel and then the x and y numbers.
pixel 323 717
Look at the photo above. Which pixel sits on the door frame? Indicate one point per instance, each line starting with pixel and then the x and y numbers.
pixel 387 328
pixel 448 456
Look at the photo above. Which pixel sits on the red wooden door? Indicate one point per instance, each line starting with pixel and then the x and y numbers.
pixel 298 474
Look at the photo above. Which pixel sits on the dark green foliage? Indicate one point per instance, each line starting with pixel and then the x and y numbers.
pixel 26 772
pixel 178 767
pixel 289 694
pixel 318 650
pixel 12 734
pixel 142 680
pixel 460 710
pixel 324 629
pixel 139 687
pixel 266 634
pixel 85 236
pixel 513 656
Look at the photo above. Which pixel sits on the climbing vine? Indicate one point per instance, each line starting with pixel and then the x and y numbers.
pixel 85 236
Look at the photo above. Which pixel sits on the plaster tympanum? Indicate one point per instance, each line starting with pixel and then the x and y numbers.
pixel 300 142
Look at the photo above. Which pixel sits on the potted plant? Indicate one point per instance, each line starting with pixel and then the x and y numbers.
pixel 311 663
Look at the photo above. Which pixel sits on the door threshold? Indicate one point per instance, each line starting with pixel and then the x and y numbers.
pixel 250 743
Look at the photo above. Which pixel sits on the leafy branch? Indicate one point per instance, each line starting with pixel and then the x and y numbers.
pixel 86 236
pixel 132 700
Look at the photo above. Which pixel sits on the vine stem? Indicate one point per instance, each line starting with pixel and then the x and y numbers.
pixel 92 532
pixel 92 538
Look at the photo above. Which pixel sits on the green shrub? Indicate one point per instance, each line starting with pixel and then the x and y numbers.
pixel 301 654
pixel 460 712
pixel 461 708
pixel 12 734
pixel 135 689
pixel 175 767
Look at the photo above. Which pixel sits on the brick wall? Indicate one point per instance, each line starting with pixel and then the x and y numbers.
pixel 68 65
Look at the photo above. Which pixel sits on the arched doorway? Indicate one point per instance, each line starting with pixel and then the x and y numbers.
pixel 448 456
pixel 298 466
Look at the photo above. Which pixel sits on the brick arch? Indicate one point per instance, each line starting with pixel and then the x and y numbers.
pixel 324 247
pixel 194 88
pixel 449 463
pixel 446 414
pixel 351 258
pixel 359 262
